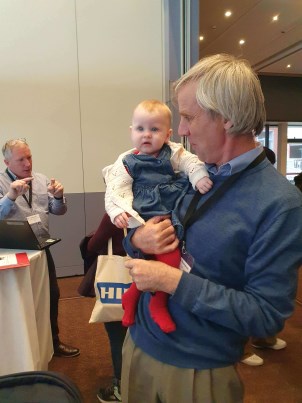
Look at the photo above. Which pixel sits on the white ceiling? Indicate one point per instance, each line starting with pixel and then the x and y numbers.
pixel 270 46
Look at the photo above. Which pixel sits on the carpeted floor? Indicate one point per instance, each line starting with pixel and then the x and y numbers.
pixel 277 381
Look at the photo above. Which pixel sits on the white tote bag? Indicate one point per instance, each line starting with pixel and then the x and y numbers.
pixel 112 279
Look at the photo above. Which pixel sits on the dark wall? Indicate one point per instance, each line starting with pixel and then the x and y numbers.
pixel 283 98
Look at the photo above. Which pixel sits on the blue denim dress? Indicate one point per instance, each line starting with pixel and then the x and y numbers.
pixel 157 188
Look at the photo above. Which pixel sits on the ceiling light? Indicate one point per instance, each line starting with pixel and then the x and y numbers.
pixel 288 66
pixel 241 42
pixel 228 13
pixel 201 38
pixel 276 17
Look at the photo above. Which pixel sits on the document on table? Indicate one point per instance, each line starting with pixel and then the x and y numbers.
pixel 13 260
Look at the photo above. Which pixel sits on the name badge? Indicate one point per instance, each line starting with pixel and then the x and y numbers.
pixel 187 260
pixel 33 219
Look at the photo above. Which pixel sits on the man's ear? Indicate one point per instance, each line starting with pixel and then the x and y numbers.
pixel 6 162
pixel 227 125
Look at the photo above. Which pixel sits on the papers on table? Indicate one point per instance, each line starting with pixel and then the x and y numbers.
pixel 13 260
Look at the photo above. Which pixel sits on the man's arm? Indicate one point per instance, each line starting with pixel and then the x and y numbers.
pixel 16 189
pixel 119 195
pixel 152 276
pixel 268 297
pixel 56 200
pixel 157 236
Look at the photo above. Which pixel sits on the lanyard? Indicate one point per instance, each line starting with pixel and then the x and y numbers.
pixel 28 200
pixel 193 212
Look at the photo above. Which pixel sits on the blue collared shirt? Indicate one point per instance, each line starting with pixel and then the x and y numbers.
pixel 236 164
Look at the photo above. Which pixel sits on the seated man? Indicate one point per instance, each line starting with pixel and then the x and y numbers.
pixel 24 193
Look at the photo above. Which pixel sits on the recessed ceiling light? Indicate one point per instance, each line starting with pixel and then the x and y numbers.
pixel 241 42
pixel 276 17
pixel 288 66
pixel 228 13
pixel 201 38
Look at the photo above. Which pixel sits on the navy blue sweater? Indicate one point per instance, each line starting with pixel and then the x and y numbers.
pixel 247 249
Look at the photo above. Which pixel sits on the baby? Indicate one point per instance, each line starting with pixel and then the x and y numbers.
pixel 151 180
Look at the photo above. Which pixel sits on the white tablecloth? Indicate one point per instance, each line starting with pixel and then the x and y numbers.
pixel 25 332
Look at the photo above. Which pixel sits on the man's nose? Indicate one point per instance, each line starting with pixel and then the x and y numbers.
pixel 182 129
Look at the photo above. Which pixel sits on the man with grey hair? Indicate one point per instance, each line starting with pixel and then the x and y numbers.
pixel 23 194
pixel 240 253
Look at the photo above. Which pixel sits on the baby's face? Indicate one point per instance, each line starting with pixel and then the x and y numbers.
pixel 149 131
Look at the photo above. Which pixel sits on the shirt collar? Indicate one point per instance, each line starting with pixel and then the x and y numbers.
pixel 12 174
pixel 236 164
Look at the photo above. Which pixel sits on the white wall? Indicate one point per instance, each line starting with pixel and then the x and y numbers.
pixel 120 63
pixel 71 73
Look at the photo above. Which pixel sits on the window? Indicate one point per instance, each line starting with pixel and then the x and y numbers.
pixel 294 152
pixel 269 137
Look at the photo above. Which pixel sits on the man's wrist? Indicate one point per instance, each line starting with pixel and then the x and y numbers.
pixel 59 198
pixel 11 198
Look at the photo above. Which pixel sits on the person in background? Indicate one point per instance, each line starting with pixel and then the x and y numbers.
pixel 24 193
pixel 98 245
pixel 151 180
pixel 298 181
pixel 242 246
pixel 273 342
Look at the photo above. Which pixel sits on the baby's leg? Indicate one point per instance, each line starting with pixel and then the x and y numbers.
pixel 129 302
pixel 159 301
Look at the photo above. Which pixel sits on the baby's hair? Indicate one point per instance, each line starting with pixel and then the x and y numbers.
pixel 153 105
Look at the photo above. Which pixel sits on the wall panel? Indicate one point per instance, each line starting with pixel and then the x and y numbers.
pixel 39 97
pixel 120 63
pixel 71 73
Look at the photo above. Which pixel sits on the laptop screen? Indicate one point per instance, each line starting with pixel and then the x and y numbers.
pixel 17 234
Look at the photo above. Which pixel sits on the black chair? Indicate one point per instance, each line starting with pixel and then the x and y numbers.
pixel 38 387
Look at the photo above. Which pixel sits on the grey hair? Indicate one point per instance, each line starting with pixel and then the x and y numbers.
pixel 228 87
pixel 10 144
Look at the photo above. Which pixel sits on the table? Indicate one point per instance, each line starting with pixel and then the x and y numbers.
pixel 25 332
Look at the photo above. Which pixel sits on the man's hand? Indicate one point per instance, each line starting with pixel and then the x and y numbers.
pixel 18 188
pixel 152 276
pixel 204 185
pixel 55 188
pixel 156 236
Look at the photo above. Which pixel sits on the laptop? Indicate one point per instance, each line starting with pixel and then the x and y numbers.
pixel 17 234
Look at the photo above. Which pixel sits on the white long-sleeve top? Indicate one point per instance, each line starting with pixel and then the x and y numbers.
pixel 119 195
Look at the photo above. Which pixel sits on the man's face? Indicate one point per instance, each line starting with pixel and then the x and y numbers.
pixel 205 134
pixel 20 162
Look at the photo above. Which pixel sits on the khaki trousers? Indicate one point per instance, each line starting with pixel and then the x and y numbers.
pixel 146 380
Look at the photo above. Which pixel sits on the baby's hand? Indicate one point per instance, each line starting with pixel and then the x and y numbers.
pixel 121 220
pixel 204 185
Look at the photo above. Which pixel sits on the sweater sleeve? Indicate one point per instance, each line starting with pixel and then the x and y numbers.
pixel 184 161
pixel 56 206
pixel 119 195
pixel 267 299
